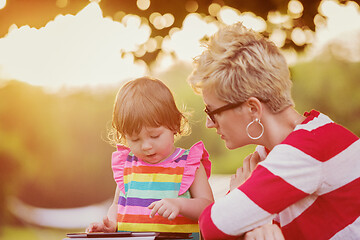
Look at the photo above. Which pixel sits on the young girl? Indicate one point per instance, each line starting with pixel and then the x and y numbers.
pixel 160 188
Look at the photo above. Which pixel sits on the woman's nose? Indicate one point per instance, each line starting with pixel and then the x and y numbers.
pixel 209 123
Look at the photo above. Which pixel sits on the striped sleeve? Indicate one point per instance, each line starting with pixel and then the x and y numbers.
pixel 286 176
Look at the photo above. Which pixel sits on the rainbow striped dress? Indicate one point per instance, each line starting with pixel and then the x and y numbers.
pixel 141 183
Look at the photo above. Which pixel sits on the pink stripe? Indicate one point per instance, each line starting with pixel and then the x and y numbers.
pixel 316 142
pixel 270 192
pixel 135 210
pixel 329 214
pixel 207 227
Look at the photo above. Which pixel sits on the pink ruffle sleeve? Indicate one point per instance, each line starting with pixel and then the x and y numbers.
pixel 118 161
pixel 196 155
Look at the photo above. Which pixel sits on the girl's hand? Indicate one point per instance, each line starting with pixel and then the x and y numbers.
pixel 265 232
pixel 244 172
pixel 167 207
pixel 105 226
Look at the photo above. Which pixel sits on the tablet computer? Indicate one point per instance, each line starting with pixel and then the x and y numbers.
pixel 158 235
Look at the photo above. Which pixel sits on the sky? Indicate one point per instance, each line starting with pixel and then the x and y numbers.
pixel 89 49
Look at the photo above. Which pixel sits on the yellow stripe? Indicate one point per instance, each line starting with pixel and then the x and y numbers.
pixel 151 227
pixel 153 178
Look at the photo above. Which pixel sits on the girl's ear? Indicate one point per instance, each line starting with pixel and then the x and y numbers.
pixel 255 107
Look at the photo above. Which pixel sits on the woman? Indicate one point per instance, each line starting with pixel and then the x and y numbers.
pixel 307 180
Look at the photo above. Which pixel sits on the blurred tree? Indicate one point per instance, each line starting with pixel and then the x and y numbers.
pixel 331 86
pixel 59 142
pixel 280 15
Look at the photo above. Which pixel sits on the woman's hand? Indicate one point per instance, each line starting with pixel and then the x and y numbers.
pixel 242 173
pixel 105 226
pixel 168 208
pixel 265 232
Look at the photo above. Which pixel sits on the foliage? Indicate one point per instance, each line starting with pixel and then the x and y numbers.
pixel 59 144
pixel 53 148
pixel 330 86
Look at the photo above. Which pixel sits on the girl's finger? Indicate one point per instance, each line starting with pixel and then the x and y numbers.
pixel 154 210
pixel 106 221
pixel 172 216
pixel 151 205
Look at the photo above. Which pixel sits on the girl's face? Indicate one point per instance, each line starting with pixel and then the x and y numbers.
pixel 152 145
pixel 230 124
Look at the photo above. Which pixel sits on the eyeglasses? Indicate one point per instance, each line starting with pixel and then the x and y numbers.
pixel 211 114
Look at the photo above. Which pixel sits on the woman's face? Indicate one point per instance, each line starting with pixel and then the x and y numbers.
pixel 230 124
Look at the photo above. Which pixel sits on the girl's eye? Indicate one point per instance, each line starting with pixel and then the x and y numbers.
pixel 155 136
pixel 134 140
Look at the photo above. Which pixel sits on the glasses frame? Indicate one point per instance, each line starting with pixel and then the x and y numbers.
pixel 211 114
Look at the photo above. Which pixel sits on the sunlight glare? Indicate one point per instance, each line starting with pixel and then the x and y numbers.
pixel 277 18
pixel 341 24
pixel 230 16
pixel 2 4
pixel 74 50
pixel 340 18
pixel 185 43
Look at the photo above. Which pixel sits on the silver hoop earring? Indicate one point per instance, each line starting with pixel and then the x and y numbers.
pixel 262 129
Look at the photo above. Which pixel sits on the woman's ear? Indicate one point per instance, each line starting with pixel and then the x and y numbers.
pixel 255 107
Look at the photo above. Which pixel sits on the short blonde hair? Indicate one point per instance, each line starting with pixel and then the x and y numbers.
pixel 239 63
pixel 145 102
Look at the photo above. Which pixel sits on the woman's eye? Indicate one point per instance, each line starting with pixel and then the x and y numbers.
pixel 155 136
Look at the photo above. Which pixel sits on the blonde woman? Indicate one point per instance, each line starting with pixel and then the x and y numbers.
pixel 306 169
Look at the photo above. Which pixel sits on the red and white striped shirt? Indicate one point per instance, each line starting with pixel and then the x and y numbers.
pixel 309 184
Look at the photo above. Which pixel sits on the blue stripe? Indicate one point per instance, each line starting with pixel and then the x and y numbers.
pixel 165 186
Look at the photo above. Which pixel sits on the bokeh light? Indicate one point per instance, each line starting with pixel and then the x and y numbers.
pixel 298 36
pixel 214 9
pixel 143 4
pixel 295 8
pixel 191 6
pixel 278 36
pixel 62 3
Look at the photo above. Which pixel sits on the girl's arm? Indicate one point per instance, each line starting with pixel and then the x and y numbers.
pixel 201 197
pixel 112 212
pixel 110 220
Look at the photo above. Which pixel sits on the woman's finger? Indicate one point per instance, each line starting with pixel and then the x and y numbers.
pixel 246 164
pixel 254 160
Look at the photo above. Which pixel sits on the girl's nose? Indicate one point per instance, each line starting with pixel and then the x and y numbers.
pixel 146 145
